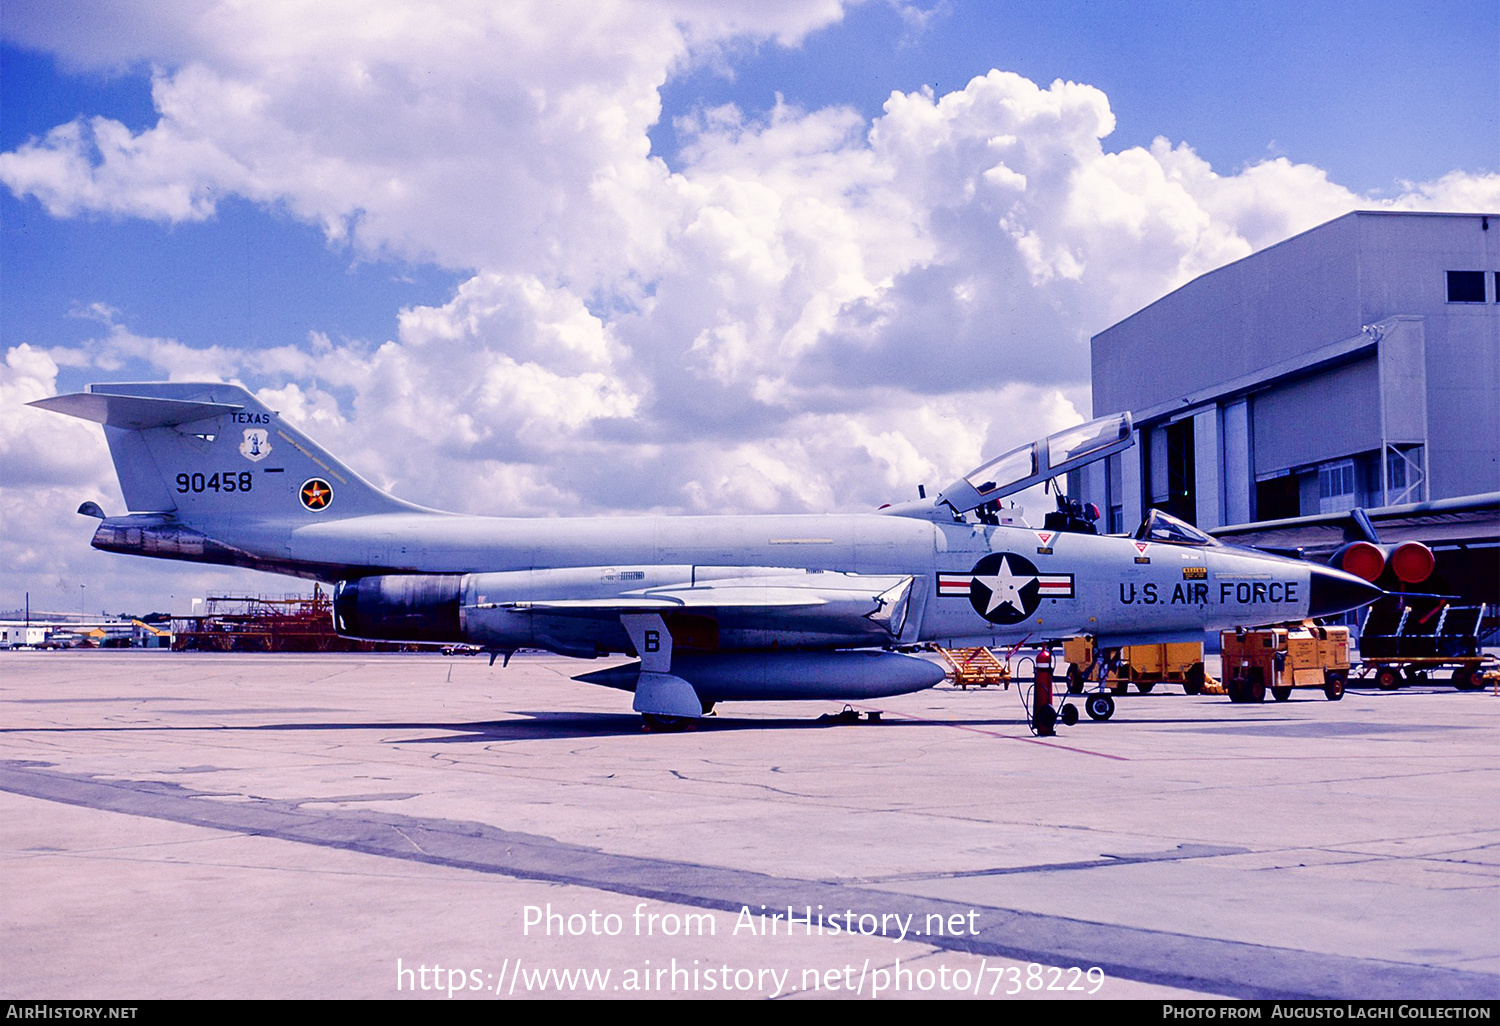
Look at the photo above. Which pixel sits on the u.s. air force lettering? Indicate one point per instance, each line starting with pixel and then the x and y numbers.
pixel 1196 593
pixel 1005 587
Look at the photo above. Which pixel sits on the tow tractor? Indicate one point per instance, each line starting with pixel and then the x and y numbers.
pixel 1282 658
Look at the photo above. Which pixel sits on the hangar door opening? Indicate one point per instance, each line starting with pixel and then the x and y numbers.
pixel 1172 471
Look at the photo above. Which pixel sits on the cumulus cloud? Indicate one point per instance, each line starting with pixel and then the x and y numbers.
pixel 813 311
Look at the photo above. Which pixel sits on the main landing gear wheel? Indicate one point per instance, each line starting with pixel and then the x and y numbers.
pixel 1387 679
pixel 1281 694
pixel 665 724
pixel 1075 681
pixel 1333 685
pixel 1068 715
pixel 1099 707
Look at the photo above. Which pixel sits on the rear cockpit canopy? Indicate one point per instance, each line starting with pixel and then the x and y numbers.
pixel 1038 461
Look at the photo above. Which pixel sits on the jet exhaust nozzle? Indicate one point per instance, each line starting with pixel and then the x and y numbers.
pixel 400 607
pixel 1411 562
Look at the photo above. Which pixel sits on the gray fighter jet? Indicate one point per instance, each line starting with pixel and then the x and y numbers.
pixel 716 608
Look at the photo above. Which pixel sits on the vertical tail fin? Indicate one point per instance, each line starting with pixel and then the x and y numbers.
pixel 204 452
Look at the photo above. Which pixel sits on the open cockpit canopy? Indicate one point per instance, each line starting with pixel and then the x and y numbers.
pixel 1039 461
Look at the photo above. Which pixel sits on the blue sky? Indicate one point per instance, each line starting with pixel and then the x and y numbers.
pixel 1372 93
pixel 457 242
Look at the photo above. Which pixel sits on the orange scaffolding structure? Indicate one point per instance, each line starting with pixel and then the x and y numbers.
pixel 258 623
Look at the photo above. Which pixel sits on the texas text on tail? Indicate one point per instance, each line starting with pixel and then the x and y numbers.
pixel 716 607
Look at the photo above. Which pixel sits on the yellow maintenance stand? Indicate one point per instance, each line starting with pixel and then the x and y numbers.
pixel 975 666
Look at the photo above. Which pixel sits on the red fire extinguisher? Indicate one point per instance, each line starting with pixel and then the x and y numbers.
pixel 1043 716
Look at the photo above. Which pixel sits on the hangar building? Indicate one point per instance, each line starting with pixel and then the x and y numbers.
pixel 1356 364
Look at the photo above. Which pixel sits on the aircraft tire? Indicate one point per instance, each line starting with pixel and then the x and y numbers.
pixel 1387 679
pixel 654 724
pixel 1099 707
pixel 1068 715
pixel 1333 685
pixel 1281 694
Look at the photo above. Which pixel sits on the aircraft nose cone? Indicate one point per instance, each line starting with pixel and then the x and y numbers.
pixel 1334 591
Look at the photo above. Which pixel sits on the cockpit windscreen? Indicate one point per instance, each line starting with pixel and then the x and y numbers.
pixel 1168 530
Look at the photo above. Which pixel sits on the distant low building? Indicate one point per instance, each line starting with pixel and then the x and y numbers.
pixel 14 635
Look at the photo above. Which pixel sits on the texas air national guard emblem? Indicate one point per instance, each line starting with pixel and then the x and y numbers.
pixel 1006 588
pixel 316 494
pixel 257 444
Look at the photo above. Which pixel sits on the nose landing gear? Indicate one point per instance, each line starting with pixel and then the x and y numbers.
pixel 1099 706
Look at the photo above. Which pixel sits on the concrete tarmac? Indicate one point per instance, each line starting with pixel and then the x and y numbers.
pixel 379 826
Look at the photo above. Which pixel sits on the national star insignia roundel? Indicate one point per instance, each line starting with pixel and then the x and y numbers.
pixel 316 494
pixel 1005 588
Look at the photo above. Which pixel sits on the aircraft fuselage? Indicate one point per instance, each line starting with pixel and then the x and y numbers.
pixel 971 583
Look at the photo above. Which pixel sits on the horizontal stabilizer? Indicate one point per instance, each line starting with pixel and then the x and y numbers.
pixel 131 411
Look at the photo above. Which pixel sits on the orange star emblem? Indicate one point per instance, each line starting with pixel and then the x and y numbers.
pixel 316 494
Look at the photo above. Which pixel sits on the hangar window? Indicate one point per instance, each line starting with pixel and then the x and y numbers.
pixel 1466 286
pixel 1336 487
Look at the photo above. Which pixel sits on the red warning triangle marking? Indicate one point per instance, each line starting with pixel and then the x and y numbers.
pixel 1140 547
pixel 1043 536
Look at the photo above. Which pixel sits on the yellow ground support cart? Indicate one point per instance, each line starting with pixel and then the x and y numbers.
pixel 976 667
pixel 1145 666
pixel 1282 658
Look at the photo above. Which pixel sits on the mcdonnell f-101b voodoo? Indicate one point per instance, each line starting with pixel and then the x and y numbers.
pixel 716 608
